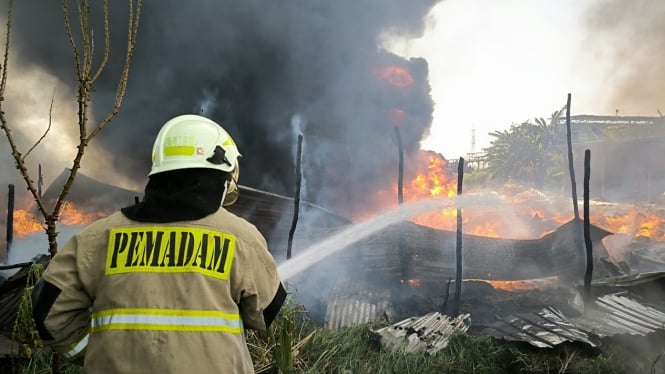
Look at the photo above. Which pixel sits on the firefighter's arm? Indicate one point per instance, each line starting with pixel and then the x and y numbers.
pixel 61 306
pixel 263 293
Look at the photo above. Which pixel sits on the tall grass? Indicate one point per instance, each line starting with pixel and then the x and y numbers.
pixel 294 344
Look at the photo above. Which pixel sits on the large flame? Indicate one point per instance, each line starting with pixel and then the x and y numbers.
pixel 528 214
pixel 431 180
pixel 25 223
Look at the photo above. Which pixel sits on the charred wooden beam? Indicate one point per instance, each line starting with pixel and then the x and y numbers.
pixel 570 161
pixel 587 228
pixel 458 242
pixel 296 200
pixel 400 170
pixel 400 200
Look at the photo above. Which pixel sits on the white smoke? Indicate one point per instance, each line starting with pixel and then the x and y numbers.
pixel 29 247
pixel 207 105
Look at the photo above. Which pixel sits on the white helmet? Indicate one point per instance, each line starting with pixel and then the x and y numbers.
pixel 192 141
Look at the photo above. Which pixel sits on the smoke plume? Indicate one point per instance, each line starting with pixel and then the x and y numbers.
pixel 252 66
pixel 631 34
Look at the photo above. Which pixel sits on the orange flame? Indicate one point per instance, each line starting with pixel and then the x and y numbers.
pixel 25 223
pixel 396 76
pixel 539 214
pixel 520 285
pixel 413 282
pixel 644 224
pixel 432 180
pixel 71 215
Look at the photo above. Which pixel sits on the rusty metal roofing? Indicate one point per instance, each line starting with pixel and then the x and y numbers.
pixel 427 334
pixel 609 315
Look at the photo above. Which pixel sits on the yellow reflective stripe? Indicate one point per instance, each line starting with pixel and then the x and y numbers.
pixel 179 150
pixel 166 320
pixel 77 348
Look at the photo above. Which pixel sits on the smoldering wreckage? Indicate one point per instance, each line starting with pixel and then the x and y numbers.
pixel 402 274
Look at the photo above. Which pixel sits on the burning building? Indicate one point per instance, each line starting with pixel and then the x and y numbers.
pixel 271 72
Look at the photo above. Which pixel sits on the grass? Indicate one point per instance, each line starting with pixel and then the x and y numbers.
pixel 294 344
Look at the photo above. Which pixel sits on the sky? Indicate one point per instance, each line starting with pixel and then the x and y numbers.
pixel 497 63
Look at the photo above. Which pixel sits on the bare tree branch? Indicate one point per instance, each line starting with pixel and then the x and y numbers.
pixel 107 43
pixel 3 82
pixel 50 121
pixel 83 53
pixel 122 85
pixel 70 36
pixel 85 86
pixel 20 164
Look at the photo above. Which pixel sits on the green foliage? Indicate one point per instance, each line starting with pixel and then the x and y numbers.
pixel 527 152
pixel 24 332
pixel 277 350
pixel 41 362
pixel 356 350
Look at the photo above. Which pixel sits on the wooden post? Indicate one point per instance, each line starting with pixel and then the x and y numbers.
pixel 570 161
pixel 400 200
pixel 587 230
pixel 458 246
pixel 296 199
pixel 400 175
pixel 10 218
pixel 444 307
pixel 40 181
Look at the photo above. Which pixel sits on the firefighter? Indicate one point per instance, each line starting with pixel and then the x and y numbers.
pixel 170 284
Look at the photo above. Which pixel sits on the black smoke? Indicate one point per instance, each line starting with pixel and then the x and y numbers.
pixel 255 66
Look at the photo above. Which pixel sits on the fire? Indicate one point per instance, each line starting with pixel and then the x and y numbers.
pixel 73 216
pixel 520 285
pixel 396 76
pixel 413 282
pixel 488 229
pixel 431 180
pixel 25 223
pixel 530 213
pixel 638 223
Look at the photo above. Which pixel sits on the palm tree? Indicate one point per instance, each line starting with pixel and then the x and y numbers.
pixel 526 152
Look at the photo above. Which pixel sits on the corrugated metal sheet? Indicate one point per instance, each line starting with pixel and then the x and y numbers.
pixel 353 303
pixel 543 329
pixel 427 334
pixel 620 314
pixel 609 315
pixel 630 280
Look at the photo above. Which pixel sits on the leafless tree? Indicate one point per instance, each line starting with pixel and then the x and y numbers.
pixel 83 49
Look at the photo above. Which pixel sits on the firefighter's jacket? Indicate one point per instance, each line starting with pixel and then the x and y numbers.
pixel 160 298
